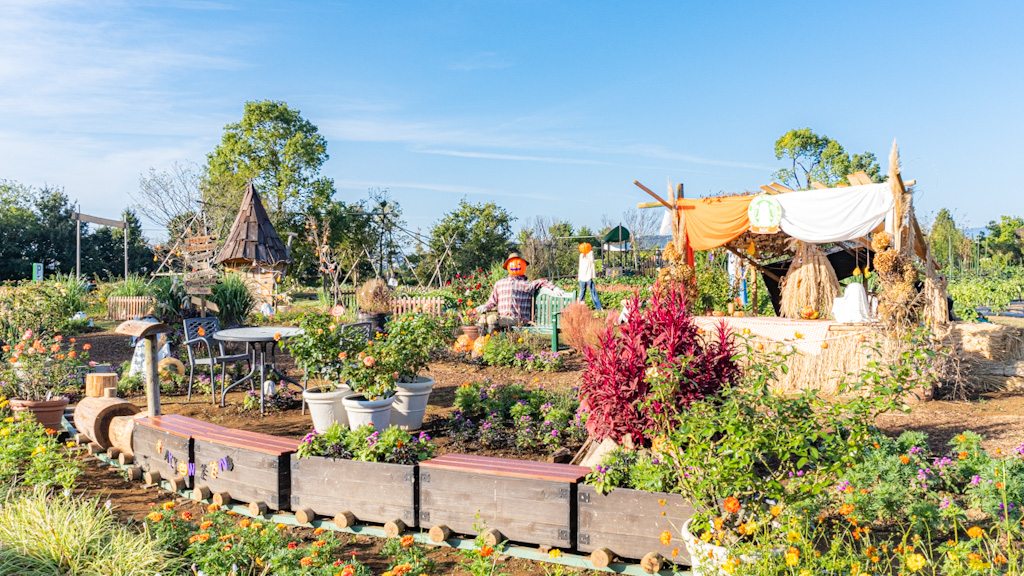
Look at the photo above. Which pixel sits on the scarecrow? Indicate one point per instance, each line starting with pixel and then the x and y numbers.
pixel 586 274
pixel 513 297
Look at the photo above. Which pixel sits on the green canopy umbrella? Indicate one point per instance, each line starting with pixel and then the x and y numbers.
pixel 617 234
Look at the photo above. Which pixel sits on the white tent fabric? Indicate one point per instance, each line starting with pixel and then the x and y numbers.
pixel 853 306
pixel 835 214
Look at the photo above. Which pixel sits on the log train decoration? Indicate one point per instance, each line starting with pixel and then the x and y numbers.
pixel 527 502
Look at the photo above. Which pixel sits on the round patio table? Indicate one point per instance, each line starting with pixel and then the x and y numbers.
pixel 264 340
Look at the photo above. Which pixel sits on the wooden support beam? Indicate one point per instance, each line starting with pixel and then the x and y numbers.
pixel 650 205
pixel 655 196
pixel 751 261
pixel 818 185
pixel 782 189
pixel 769 190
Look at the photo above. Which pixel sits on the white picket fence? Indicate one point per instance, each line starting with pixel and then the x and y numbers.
pixel 432 305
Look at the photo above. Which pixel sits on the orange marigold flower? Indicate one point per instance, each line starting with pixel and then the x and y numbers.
pixel 204 537
pixel 212 508
pixel 961 438
pixel 245 523
pixel 962 455
pixel 318 531
pixel 368 361
pixel 205 525
pixel 975 532
pixel 320 543
pixel 776 510
pixel 846 509
pixel 999 485
pixel 86 346
pixel 306 561
pixel 72 354
pixel 486 551
pixel 155 517
pixel 904 459
pixel 192 539
pixel 718 523
pixel 186 515
pixel 732 505
pixel 666 537
pixel 407 541
pixel 342 355
pixel 999 559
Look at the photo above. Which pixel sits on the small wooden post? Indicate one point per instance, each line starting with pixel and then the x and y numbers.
pixel 258 508
pixel 394 528
pixel 651 563
pixel 305 516
pixel 149 331
pixel 134 473
pixel 200 493
pixel 125 459
pixel 440 533
pixel 151 477
pixel 601 557
pixel 492 537
pixel 222 498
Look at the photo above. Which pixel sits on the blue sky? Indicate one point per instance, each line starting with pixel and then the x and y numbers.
pixel 545 108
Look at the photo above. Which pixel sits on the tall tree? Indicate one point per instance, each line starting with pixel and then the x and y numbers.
pixel 18 227
pixel 54 241
pixel 171 198
pixel 470 237
pixel 1005 238
pixel 819 158
pixel 949 245
pixel 281 152
pixel 103 251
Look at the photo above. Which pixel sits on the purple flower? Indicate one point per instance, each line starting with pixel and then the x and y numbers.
pixel 975 480
pixel 554 433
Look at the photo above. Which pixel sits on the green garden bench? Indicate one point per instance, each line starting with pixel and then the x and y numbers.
pixel 547 306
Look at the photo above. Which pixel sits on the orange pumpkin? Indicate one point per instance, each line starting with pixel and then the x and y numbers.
pixel 808 312
pixel 478 345
pixel 463 344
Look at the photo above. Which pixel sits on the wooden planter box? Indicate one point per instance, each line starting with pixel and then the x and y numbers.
pixel 371 491
pixel 163 444
pixel 629 522
pixel 246 466
pixel 529 502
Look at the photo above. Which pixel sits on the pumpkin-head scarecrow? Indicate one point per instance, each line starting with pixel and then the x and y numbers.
pixel 585 248
pixel 515 264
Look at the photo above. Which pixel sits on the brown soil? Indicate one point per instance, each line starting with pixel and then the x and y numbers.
pixel 999 416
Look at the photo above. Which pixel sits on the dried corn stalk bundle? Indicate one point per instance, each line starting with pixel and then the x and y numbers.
pixel 677 270
pixel 811 281
pixel 900 305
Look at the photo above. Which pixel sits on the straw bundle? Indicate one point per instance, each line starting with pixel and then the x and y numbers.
pixel 811 281
pixel 677 270
pixel 936 309
pixel 900 303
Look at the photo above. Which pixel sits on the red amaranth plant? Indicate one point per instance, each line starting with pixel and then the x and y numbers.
pixel 659 335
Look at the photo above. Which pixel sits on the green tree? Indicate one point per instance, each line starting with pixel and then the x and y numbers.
pixel 819 158
pixel 53 243
pixel 949 245
pixel 103 251
pixel 17 230
pixel 1005 238
pixel 281 152
pixel 471 237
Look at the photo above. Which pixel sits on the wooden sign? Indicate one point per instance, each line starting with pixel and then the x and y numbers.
pixel 206 276
pixel 201 239
pixel 193 248
pixel 198 291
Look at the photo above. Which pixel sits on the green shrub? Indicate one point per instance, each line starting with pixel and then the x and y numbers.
pixel 234 299
pixel 31 458
pixel 133 285
pixel 168 294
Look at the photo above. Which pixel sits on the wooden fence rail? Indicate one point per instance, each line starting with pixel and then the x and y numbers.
pixel 128 307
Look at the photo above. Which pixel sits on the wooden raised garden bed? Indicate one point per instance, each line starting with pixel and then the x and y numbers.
pixel 246 466
pixel 628 523
pixel 368 491
pixel 163 448
pixel 529 502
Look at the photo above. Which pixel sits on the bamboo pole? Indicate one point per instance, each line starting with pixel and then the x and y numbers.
pixel 655 196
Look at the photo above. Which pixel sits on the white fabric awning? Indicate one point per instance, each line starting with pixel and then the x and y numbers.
pixel 835 214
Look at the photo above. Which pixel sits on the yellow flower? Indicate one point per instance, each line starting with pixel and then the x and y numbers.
pixel 555 553
pixel 666 537
pixel 168 505
pixel 915 562
pixel 38 450
pixel 776 510
pixel 792 556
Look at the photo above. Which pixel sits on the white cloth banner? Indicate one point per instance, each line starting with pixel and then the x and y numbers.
pixel 835 214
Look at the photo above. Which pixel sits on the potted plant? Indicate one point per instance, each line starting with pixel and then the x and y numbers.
pixel 37 373
pixel 374 301
pixel 320 351
pixel 376 467
pixel 373 383
pixel 406 349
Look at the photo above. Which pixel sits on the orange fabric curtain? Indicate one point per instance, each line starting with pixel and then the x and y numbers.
pixel 711 222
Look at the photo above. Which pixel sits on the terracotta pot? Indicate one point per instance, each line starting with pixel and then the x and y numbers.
pixel 471 330
pixel 48 413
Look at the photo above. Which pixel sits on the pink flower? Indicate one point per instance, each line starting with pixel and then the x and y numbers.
pixel 368 361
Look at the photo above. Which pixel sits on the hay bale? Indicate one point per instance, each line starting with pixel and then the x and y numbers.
pixel 811 281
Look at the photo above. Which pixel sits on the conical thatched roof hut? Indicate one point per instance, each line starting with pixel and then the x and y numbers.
pixel 252 238
pixel 253 247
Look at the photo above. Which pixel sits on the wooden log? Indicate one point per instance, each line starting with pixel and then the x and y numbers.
pixel 177 484
pixel 304 516
pixel 601 557
pixel 97 382
pixel 124 459
pixel 344 519
pixel 93 416
pixel 394 528
pixel 151 477
pixel 200 493
pixel 651 563
pixel 119 433
pixel 492 537
pixel 82 439
pixel 134 473
pixel 110 392
pixel 440 533
pixel 258 508
pixel 113 453
pixel 95 449
pixel 221 498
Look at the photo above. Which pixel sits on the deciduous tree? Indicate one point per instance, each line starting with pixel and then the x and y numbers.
pixel 819 158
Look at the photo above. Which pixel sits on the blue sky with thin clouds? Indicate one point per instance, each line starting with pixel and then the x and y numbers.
pixel 545 108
